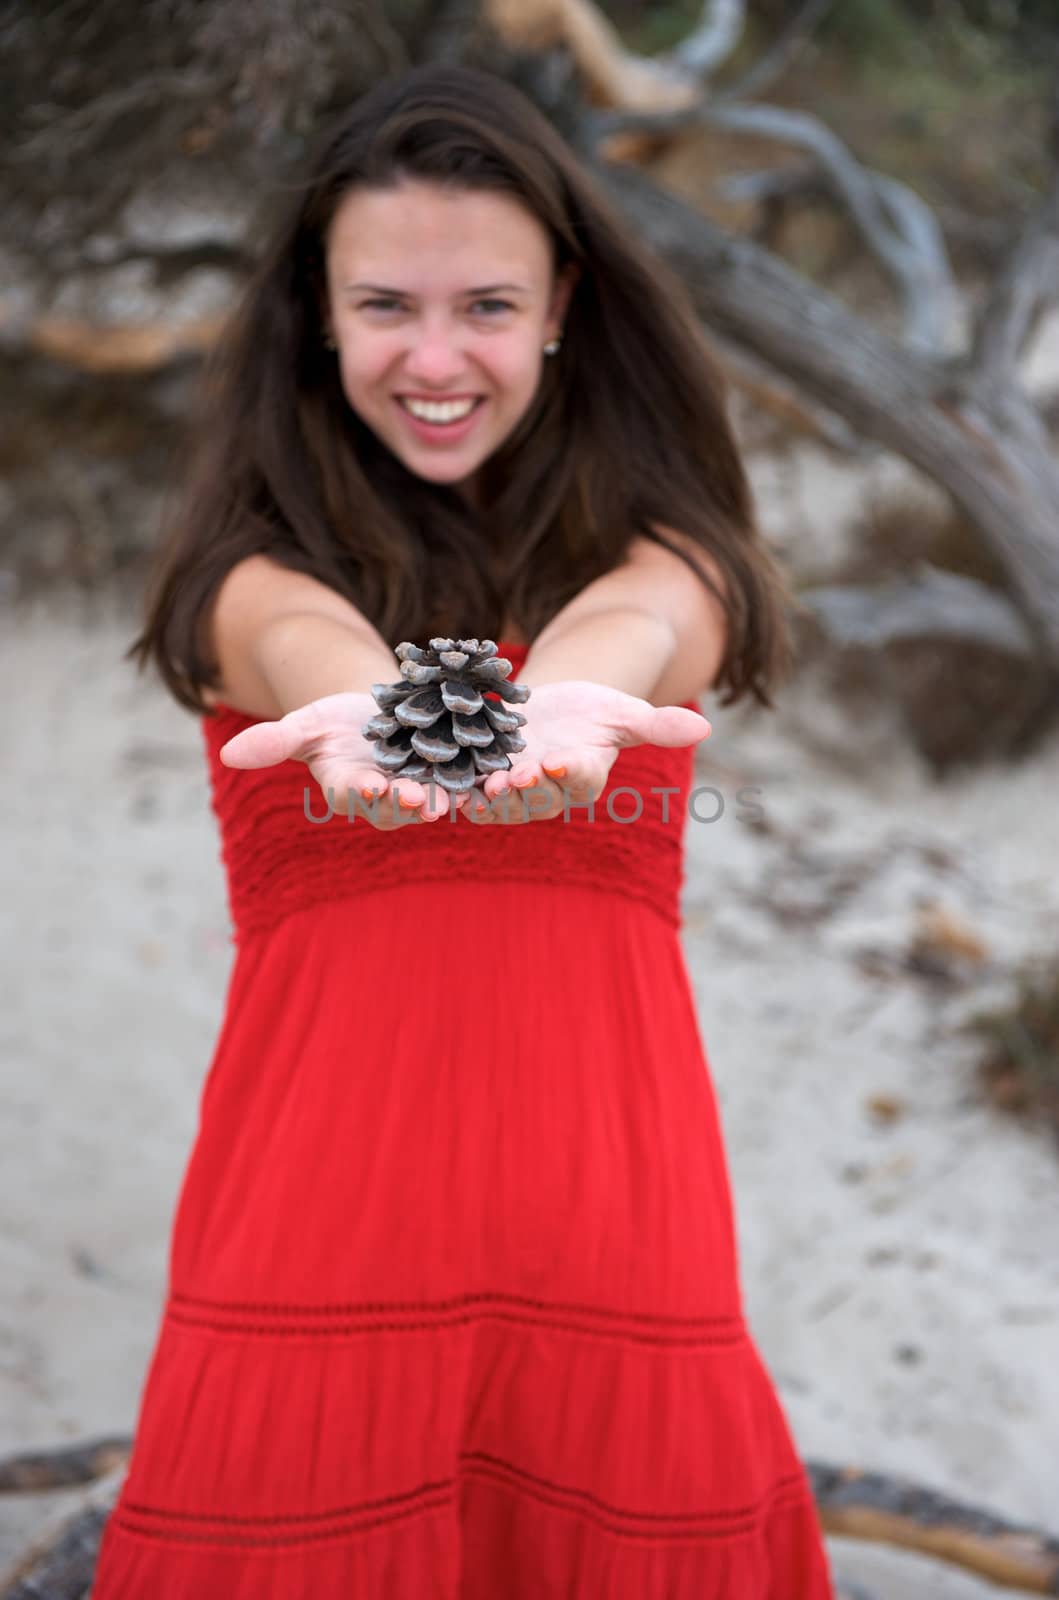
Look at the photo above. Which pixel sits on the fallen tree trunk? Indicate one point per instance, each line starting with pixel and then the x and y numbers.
pixel 855 1504
pixel 989 450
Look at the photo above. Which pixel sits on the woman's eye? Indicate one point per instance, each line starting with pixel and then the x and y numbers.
pixel 388 304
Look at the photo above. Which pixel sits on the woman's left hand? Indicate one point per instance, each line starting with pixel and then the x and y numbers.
pixel 574 732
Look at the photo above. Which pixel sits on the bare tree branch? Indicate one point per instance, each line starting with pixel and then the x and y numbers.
pixel 446 30
pixel 614 75
pixel 655 97
pixel 988 237
pixel 995 462
pixel 63 136
pixel 779 56
pixel 81 1462
pixel 896 225
pixel 867 1505
pixel 708 47
pixel 1026 283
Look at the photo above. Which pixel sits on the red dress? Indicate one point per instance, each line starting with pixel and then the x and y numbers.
pixel 454 1309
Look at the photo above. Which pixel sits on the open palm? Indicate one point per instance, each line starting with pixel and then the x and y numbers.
pixel 576 725
pixel 326 735
pixel 574 732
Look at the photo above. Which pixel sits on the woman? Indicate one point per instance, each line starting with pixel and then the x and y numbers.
pixel 454 1305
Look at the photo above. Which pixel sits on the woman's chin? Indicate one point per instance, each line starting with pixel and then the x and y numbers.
pixel 453 472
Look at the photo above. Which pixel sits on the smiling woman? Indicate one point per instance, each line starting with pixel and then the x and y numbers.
pixel 440 368
pixel 468 259
pixel 454 1307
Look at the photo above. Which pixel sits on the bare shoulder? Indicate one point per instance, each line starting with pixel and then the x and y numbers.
pixel 648 552
pixel 255 592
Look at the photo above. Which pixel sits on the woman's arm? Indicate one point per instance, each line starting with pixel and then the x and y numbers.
pixel 303 656
pixel 282 638
pixel 650 628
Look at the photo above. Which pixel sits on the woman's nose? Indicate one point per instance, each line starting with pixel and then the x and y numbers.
pixel 434 357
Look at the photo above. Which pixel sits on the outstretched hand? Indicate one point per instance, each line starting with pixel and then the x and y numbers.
pixel 326 735
pixel 574 732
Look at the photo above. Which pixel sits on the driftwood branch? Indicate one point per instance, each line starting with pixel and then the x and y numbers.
pixel 612 75
pixel 83 1462
pixel 117 347
pixel 645 97
pixel 855 1504
pixel 898 227
pixel 994 462
pixel 774 188
pixel 786 48
pixel 1027 281
pixel 706 48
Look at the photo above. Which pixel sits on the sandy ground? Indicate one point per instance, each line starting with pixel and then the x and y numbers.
pixel 902 1278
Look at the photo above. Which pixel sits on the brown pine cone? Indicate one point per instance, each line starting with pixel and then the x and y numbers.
pixel 436 723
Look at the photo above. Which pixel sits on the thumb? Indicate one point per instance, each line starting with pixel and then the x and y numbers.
pixel 671 726
pixel 268 743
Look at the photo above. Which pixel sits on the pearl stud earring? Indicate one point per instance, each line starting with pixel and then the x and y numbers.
pixel 553 347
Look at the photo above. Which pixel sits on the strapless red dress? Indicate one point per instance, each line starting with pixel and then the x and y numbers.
pixel 453 1307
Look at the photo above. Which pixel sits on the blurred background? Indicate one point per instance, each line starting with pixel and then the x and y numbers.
pixel 863 197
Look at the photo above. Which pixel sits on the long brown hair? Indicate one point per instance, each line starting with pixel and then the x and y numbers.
pixel 627 433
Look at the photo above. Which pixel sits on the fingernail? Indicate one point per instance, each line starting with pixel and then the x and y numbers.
pixel 556 772
pixel 368 794
pixel 409 805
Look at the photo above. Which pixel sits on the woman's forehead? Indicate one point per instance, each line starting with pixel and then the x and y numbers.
pixel 433 235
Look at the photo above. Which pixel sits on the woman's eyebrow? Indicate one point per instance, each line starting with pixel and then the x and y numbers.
pixel 403 294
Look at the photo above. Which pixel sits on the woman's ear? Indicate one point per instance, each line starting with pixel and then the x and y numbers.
pixel 565 283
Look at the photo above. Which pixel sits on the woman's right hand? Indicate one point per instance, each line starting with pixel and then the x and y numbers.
pixel 326 735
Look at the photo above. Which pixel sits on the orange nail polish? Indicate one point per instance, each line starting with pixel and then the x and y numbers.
pixel 556 772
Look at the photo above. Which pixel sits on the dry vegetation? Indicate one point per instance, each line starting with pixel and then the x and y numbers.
pixel 1019 1066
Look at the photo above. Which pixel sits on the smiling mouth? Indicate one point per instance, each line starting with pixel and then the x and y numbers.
pixel 440 413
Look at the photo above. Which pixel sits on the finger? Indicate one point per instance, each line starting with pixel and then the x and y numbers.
pixel 529 798
pixel 672 726
pixel 484 805
pixel 572 774
pixel 552 765
pixel 499 783
pixel 268 743
pixel 398 802
pixel 437 801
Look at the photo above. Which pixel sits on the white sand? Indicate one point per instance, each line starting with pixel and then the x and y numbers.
pixel 902 1280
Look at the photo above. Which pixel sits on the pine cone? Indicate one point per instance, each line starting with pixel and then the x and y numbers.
pixel 435 723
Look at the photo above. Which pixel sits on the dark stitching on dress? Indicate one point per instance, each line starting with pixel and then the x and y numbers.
pixel 208 1536
pixel 533 1302
pixel 294 1322
pixel 396 1502
pixel 788 1491
pixel 740 1519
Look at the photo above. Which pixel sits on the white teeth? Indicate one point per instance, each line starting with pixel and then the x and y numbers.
pixel 439 411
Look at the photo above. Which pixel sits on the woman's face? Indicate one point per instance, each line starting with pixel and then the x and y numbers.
pixel 441 299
